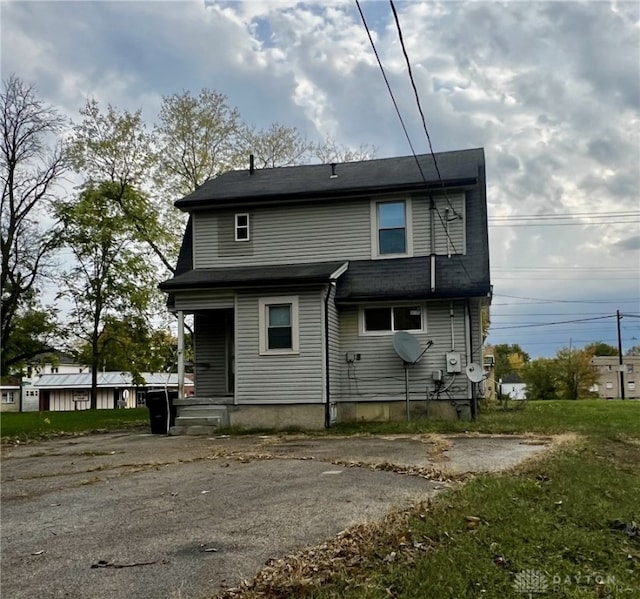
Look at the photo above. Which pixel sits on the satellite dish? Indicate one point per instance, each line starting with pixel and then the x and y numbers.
pixel 408 347
pixel 475 372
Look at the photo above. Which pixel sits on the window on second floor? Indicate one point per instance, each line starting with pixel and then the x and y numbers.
pixel 391 228
pixel 242 227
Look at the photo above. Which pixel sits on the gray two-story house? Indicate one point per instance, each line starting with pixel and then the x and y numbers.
pixel 299 277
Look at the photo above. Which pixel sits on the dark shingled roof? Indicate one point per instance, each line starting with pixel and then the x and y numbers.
pixel 410 278
pixel 365 280
pixel 309 182
pixel 253 276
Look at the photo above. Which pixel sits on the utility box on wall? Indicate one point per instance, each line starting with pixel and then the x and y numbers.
pixel 454 364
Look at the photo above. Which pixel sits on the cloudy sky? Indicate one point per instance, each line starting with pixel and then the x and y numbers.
pixel 551 90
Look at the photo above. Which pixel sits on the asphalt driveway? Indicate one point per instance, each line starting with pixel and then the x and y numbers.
pixel 148 516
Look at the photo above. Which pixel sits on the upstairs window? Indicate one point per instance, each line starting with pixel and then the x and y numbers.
pixel 242 227
pixel 392 228
pixel 389 319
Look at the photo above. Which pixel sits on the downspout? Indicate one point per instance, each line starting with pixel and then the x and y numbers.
pixel 474 394
pixel 451 324
pixel 432 235
pixel 327 405
pixel 446 220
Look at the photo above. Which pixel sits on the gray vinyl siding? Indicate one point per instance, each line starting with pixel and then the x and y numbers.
pixel 379 374
pixel 422 225
pixel 315 233
pixel 288 235
pixel 202 300
pixel 210 354
pixel 279 379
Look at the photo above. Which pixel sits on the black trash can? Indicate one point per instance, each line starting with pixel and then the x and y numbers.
pixel 159 411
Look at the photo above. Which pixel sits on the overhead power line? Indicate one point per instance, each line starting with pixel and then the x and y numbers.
pixel 567 301
pixel 406 133
pixel 546 324
pixel 564 215
pixel 544 224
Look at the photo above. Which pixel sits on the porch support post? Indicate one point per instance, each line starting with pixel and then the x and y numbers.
pixel 180 354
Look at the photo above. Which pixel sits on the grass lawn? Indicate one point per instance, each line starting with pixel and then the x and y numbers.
pixel 25 426
pixel 566 524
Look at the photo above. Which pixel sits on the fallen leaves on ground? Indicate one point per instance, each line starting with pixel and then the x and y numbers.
pixel 351 550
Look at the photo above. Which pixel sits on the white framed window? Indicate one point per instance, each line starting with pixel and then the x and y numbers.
pixel 630 368
pixel 278 322
pixel 242 227
pixel 385 320
pixel 631 385
pixel 8 397
pixel 391 228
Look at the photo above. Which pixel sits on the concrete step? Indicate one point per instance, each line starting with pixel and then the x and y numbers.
pixel 199 420
pixel 193 430
pixel 202 410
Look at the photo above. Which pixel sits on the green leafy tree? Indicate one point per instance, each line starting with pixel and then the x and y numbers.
pixel 35 331
pixel 574 374
pixel 132 346
pixel 599 348
pixel 198 139
pixel 30 169
pixel 540 375
pixel 112 275
pixel 115 147
pixel 509 358
pixel 633 351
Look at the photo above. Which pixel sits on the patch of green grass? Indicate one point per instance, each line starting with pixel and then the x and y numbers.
pixel 610 418
pixel 24 426
pixel 569 518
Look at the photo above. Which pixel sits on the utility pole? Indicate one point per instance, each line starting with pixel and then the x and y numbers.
pixel 620 364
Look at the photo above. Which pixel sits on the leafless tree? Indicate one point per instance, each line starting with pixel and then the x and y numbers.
pixel 32 162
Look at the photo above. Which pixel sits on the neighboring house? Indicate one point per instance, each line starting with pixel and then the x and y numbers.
pixel 490 386
pixel 65 392
pixel 511 385
pixel 10 391
pixel 51 363
pixel 298 277
pixel 608 369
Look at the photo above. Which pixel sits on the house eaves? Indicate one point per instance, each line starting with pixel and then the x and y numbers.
pixel 256 276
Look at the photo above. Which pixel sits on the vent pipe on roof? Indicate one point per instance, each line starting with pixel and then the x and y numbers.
pixel 333 171
pixel 251 165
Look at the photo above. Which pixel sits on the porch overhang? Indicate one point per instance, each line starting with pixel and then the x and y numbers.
pixel 251 277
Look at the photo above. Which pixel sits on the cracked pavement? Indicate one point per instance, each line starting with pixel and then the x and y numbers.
pixel 139 515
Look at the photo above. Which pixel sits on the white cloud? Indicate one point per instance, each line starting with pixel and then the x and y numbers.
pixel 551 90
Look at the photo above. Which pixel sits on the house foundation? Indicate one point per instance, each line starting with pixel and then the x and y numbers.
pixel 389 411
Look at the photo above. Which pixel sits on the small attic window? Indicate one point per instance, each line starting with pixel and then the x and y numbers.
pixel 242 227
